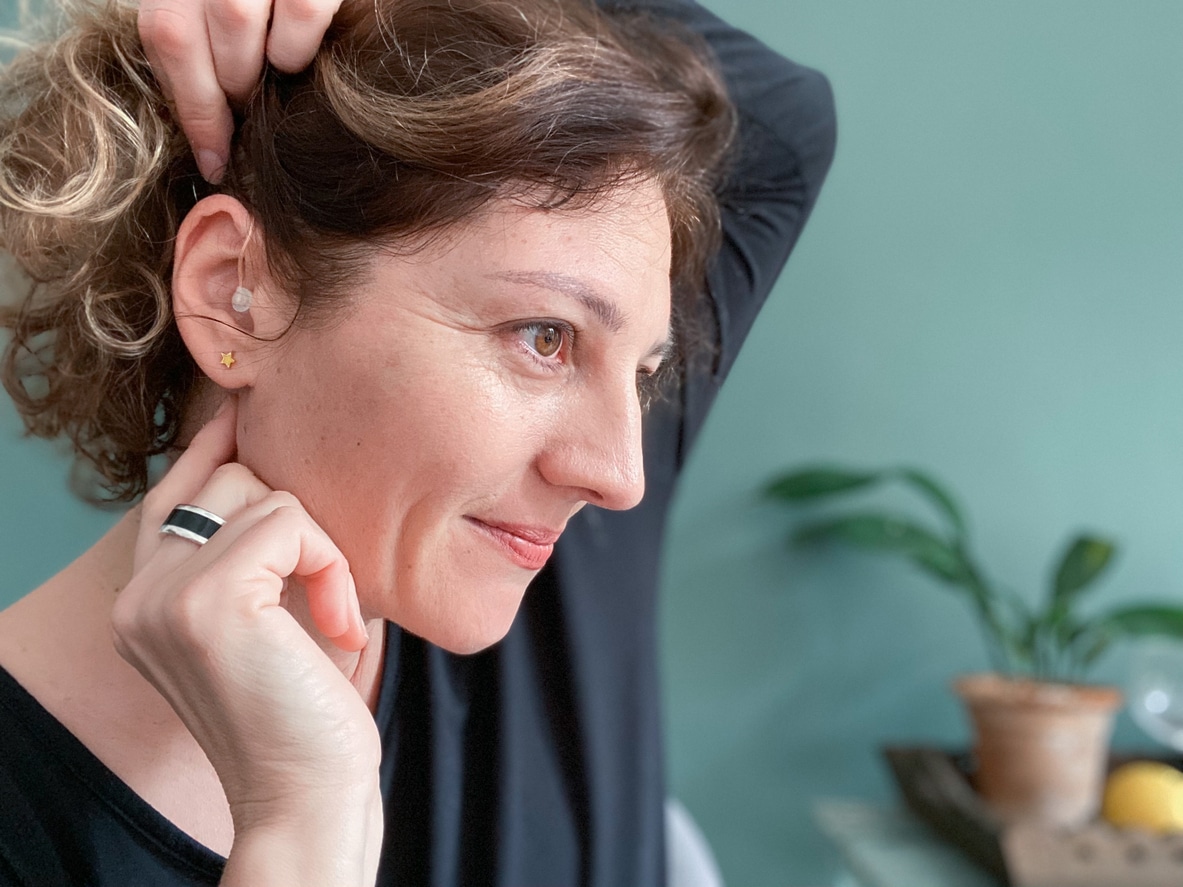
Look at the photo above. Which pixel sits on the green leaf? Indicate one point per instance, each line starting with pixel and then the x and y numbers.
pixel 1140 621
pixel 1015 627
pixel 1094 650
pixel 1083 562
pixel 938 495
pixel 1088 642
pixel 816 483
pixel 886 533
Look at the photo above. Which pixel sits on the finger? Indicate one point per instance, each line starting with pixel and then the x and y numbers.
pixel 297 28
pixel 335 610
pixel 274 540
pixel 246 502
pixel 338 617
pixel 213 446
pixel 237 36
pixel 163 26
pixel 176 41
pixel 211 450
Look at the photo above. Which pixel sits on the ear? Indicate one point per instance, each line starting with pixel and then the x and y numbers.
pixel 217 250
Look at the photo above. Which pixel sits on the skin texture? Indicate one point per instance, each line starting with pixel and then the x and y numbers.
pixel 453 429
pixel 359 464
pixel 410 460
pixel 226 632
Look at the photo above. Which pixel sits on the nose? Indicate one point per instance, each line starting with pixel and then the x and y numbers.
pixel 596 449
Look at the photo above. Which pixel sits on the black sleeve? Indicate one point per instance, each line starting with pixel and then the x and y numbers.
pixel 786 141
pixel 564 714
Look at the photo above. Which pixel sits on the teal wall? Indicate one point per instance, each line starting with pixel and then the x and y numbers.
pixel 991 287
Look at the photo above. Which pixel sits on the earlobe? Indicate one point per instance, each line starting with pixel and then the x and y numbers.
pixel 220 300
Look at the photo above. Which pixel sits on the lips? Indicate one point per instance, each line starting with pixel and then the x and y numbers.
pixel 527 546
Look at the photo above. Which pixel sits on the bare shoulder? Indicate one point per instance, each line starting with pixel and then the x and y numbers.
pixel 56 643
pixel 57 636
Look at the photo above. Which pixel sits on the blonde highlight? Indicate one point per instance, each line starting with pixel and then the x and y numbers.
pixel 414 115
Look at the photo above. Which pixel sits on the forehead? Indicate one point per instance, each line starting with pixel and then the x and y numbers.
pixel 618 245
pixel 629 225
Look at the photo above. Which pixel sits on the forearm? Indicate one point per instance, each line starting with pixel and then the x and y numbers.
pixel 787 124
pixel 785 143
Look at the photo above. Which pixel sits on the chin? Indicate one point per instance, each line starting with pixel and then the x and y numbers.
pixel 467 629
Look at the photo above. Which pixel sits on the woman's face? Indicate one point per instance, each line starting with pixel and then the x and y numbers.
pixel 471 399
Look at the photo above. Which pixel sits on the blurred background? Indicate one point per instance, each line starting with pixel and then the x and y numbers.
pixel 991 288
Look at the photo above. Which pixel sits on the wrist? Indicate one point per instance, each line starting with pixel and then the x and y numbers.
pixel 329 839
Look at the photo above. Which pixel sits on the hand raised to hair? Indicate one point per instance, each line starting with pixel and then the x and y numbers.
pixel 291 739
pixel 208 53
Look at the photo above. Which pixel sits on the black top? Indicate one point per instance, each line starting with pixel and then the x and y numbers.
pixel 537 763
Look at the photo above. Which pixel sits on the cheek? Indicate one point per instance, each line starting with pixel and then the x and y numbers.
pixel 460 415
pixel 363 441
pixel 376 452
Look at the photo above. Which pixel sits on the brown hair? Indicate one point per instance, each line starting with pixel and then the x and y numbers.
pixel 413 116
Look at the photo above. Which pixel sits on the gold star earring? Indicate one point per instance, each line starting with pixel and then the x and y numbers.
pixel 227 359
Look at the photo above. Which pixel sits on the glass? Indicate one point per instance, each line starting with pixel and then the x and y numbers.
pixel 1155 696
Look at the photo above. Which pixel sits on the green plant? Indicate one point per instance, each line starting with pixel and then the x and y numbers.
pixel 1054 642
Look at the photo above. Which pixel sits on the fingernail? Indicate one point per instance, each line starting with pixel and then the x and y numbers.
pixel 212 165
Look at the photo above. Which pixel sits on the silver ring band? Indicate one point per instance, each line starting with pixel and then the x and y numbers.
pixel 192 523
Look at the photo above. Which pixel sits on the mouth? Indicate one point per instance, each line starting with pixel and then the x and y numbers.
pixel 527 546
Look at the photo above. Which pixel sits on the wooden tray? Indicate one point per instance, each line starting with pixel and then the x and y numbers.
pixel 936 785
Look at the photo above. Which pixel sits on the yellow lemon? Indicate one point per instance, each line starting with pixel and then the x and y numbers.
pixel 1146 795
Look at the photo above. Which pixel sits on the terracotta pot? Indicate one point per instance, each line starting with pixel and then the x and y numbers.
pixel 1041 748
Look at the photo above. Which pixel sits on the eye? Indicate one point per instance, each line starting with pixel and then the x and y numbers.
pixel 547 341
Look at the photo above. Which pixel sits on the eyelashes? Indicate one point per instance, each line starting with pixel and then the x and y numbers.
pixel 549 344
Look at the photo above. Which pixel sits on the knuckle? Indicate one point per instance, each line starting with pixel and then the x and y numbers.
pixel 199 113
pixel 123 625
pixel 185 617
pixel 284 504
pixel 224 474
pixel 186 605
pixel 167 28
pixel 122 640
pixel 205 121
pixel 237 14
pixel 308 12
pixel 286 518
pixel 233 474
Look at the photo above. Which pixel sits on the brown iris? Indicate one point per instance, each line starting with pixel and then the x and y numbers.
pixel 548 340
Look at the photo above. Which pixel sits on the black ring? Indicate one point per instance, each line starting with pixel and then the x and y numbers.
pixel 192 523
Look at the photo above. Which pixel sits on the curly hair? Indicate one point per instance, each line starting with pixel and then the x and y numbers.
pixel 413 116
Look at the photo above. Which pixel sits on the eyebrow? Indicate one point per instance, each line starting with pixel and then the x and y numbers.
pixel 606 312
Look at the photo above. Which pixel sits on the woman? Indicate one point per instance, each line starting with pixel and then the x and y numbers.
pixel 436 266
